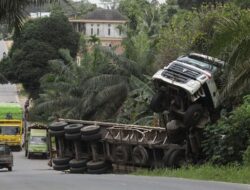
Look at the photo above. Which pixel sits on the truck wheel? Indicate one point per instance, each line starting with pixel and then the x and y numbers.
pixel 57 126
pixel 176 132
pixel 73 136
pixel 79 170
pixel 140 155
pixel 61 167
pixel 92 137
pixel 73 128
pixel 120 154
pixel 90 130
pixel 157 102
pixel 193 115
pixel 177 158
pixel 57 133
pixel 61 161
pixel 77 163
pixel 94 165
pixel 9 169
pixel 98 171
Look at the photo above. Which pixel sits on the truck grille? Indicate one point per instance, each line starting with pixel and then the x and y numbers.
pixel 180 73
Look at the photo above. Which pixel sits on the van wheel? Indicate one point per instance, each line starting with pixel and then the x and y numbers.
pixel 193 115
pixel 9 169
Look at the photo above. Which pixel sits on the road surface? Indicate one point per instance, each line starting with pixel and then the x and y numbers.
pixel 34 174
pixel 8 93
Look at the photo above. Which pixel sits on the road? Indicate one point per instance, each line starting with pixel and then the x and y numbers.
pixel 34 174
pixel 8 93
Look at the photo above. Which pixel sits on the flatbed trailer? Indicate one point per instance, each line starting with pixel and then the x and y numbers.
pixel 82 144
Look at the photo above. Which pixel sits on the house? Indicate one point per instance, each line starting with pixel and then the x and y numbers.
pixel 104 24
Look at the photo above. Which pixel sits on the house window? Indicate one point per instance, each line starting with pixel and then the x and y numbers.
pixel 98 30
pixel 120 32
pixel 109 30
pixel 92 29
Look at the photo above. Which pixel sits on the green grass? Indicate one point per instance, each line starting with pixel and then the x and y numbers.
pixel 234 174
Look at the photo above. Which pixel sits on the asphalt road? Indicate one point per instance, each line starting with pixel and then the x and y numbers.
pixel 34 174
pixel 8 93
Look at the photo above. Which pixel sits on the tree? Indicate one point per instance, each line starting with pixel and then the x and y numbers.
pixel 12 11
pixel 34 46
pixel 54 30
pixel 28 64
pixel 81 92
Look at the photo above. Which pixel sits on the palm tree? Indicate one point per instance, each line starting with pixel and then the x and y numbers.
pixel 13 12
pixel 233 40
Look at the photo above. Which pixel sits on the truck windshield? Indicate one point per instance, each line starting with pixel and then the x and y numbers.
pixel 9 130
pixel 197 63
pixel 37 140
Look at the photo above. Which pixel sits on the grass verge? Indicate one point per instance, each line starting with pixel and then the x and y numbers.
pixel 234 174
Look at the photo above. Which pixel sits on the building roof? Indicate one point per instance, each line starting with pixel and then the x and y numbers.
pixel 104 14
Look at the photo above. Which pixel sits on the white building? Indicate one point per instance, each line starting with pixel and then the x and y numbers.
pixel 104 24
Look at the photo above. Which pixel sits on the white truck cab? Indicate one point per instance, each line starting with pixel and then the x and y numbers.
pixel 188 87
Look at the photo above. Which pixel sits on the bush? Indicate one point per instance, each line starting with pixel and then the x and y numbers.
pixel 246 157
pixel 226 141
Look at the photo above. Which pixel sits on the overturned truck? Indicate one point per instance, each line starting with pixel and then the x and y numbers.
pixel 187 97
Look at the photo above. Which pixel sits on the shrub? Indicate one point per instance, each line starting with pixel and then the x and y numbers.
pixel 226 141
pixel 246 157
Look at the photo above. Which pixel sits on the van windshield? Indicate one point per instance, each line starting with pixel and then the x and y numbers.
pixel 37 140
pixel 9 130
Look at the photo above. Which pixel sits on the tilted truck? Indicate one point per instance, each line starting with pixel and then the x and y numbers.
pixel 11 125
pixel 187 97
pixel 36 141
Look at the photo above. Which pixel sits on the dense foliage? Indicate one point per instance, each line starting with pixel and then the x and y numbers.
pixel 37 43
pixel 227 140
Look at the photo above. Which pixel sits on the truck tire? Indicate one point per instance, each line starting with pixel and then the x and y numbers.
pixel 90 130
pixel 57 126
pixel 73 128
pixel 61 161
pixel 177 158
pixel 193 115
pixel 61 167
pixel 9 169
pixel 176 132
pixel 57 133
pixel 95 165
pixel 157 102
pixel 120 154
pixel 79 170
pixel 140 155
pixel 92 137
pixel 77 163
pixel 98 171
pixel 73 136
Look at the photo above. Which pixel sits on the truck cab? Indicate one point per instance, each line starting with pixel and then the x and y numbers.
pixel 36 141
pixel 189 88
